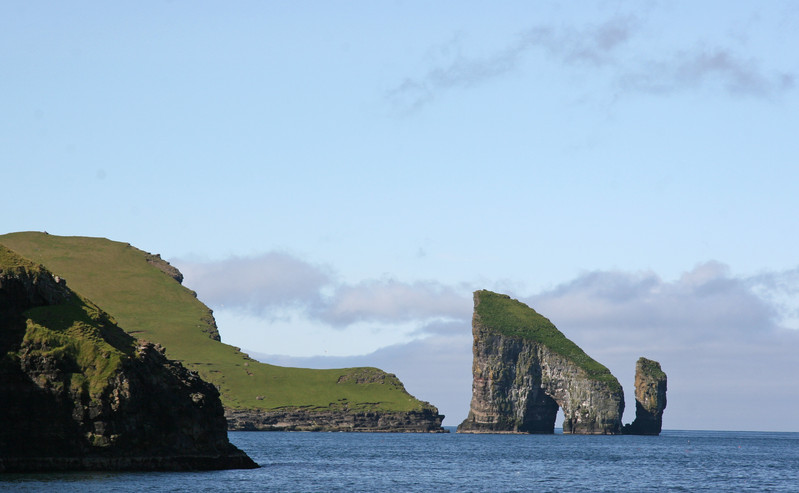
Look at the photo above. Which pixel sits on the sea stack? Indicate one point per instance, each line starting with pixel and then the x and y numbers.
pixel 525 369
pixel 650 398
pixel 78 393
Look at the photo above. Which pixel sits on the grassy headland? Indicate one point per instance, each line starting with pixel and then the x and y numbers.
pixel 149 304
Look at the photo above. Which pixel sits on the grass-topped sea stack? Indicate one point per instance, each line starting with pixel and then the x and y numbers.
pixel 78 393
pixel 650 398
pixel 524 369
pixel 145 296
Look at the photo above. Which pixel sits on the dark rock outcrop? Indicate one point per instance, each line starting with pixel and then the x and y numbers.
pixel 424 421
pixel 78 393
pixel 155 259
pixel 524 369
pixel 650 398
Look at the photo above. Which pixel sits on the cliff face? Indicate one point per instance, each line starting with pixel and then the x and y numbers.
pixel 425 421
pixel 650 398
pixel 78 393
pixel 524 370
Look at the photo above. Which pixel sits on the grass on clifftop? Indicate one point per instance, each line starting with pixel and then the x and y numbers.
pixel 651 368
pixel 12 263
pixel 150 305
pixel 76 330
pixel 501 313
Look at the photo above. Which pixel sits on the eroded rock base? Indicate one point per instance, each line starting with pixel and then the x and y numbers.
pixel 306 420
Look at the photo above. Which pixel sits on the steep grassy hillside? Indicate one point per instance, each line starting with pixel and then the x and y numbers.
pixel 150 304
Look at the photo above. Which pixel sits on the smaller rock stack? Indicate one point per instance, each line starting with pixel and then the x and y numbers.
pixel 650 399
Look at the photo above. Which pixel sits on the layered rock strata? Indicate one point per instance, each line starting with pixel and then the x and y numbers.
pixel 425 421
pixel 650 398
pixel 525 369
pixel 78 393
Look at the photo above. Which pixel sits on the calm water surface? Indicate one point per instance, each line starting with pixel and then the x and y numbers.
pixel 674 461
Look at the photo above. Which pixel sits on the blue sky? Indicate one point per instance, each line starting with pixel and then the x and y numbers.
pixel 336 178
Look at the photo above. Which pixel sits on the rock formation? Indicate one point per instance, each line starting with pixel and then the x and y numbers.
pixel 165 267
pixel 524 369
pixel 650 398
pixel 296 419
pixel 78 393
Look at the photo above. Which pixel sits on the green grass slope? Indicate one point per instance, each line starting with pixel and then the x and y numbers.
pixel 151 305
pixel 501 313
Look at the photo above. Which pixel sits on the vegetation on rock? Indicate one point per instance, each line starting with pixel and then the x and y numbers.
pixel 503 314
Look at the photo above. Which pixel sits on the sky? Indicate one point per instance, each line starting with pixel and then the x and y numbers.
pixel 335 179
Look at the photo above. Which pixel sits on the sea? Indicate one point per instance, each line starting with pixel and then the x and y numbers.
pixel 396 462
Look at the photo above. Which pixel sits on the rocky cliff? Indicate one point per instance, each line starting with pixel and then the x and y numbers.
pixel 525 369
pixel 650 398
pixel 78 393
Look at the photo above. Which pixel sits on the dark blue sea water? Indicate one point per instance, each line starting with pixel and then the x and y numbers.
pixel 673 461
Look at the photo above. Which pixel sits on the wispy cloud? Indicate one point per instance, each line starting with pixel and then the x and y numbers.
pixel 594 45
pixel 615 45
pixel 264 285
pixel 591 45
pixel 689 70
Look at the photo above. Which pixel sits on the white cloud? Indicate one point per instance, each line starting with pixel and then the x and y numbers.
pixel 259 283
pixel 270 284
pixel 705 300
pixel 389 300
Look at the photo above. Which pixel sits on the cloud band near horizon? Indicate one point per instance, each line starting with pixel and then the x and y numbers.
pixel 705 302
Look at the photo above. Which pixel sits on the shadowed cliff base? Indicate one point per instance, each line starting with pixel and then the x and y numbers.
pixel 525 369
pixel 77 392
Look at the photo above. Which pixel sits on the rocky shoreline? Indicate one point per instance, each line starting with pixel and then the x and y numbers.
pixel 295 419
